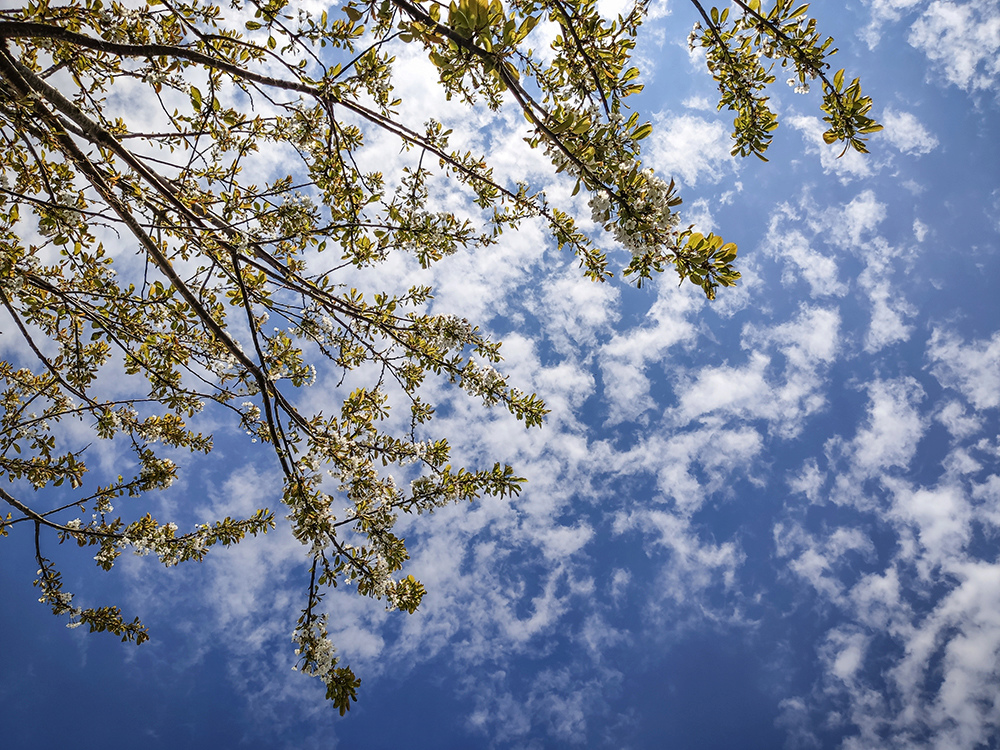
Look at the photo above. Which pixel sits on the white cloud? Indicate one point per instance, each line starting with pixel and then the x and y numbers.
pixel 904 131
pixel 691 466
pixel 856 220
pixel 884 442
pixel 930 683
pixel 963 631
pixel 987 495
pixel 993 211
pixel 941 519
pixel 624 359
pixel 851 165
pixel 960 424
pixel 844 653
pixel 853 228
pixel 699 213
pixel 973 369
pixel 692 564
pixel 755 389
pixel 818 269
pixel 817 558
pixel 877 601
pixel 700 102
pixel 962 40
pixel 575 310
pixel 893 429
pixel 559 702
pixel 809 481
pixel 727 389
pixel 889 310
pixel 690 148
pixel 795 719
pixel 884 11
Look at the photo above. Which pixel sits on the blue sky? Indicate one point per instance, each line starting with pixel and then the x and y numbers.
pixel 768 521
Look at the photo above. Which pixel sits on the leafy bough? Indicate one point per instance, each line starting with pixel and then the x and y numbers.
pixel 150 274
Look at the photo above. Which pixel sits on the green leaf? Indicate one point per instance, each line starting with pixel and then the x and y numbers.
pixel 630 74
pixel 642 131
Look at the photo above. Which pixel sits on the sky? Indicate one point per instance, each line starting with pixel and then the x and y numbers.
pixel 767 521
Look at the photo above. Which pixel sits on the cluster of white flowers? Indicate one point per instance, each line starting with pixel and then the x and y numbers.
pixel 377 579
pixel 251 418
pixel 448 332
pixel 656 223
pixel 378 85
pixel 381 582
pixel 310 122
pixel 312 642
pixel 75 524
pixel 27 264
pixel 483 381
pixel 311 516
pixel 282 371
pixel 153 429
pixel 60 600
pixel 429 487
pixel 694 36
pixel 427 232
pixel 295 216
pixel 252 412
pixel 224 364
pixel 110 421
pixel 158 473
pixel 315 324
pixel 310 379
pixel 126 25
pixel 420 450
pixel 113 418
pixel 600 207
pixel 156 540
pixel 63 210
pixel 199 542
pixel 106 557
pixel 800 88
pixel 65 197
pixel 647 223
pixel 298 200
pixel 242 242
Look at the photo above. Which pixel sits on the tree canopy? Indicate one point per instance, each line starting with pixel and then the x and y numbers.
pixel 143 246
